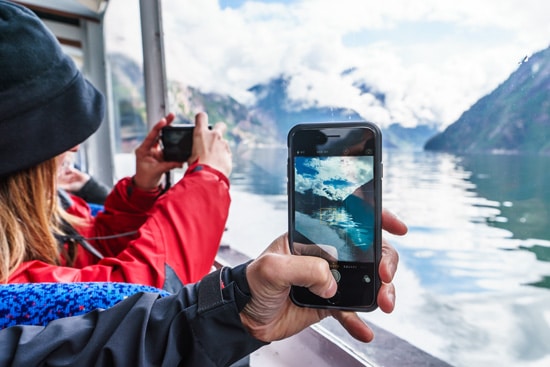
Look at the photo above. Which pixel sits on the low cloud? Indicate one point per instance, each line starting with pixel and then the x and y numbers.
pixel 431 59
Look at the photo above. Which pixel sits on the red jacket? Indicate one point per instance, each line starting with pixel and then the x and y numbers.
pixel 178 234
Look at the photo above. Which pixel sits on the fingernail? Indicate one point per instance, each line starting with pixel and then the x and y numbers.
pixel 331 290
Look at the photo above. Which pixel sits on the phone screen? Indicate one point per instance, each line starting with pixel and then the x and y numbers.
pixel 335 208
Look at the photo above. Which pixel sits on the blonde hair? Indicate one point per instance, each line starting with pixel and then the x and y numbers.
pixel 30 216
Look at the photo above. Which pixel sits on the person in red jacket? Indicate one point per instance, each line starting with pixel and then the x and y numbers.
pixel 144 235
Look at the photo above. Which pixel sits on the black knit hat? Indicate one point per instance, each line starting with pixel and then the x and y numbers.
pixel 46 105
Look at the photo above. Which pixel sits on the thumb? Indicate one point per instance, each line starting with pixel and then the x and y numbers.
pixel 284 271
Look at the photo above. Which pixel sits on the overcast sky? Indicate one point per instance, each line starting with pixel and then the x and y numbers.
pixel 431 58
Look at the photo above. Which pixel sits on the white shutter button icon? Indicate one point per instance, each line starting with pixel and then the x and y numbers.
pixel 336 275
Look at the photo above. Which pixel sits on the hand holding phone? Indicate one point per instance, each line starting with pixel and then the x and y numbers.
pixel 335 173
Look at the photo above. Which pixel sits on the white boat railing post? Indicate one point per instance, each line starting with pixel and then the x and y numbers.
pixel 153 60
pixel 99 150
pixel 154 71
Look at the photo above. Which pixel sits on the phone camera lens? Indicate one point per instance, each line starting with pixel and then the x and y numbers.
pixel 321 138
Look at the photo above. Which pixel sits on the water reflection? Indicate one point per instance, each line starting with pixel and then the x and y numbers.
pixel 473 281
pixel 519 184
pixel 465 213
pixel 470 208
pixel 260 171
pixel 465 281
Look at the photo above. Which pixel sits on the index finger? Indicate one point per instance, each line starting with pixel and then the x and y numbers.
pixel 152 137
pixel 201 121
pixel 393 224
pixel 221 127
pixel 355 326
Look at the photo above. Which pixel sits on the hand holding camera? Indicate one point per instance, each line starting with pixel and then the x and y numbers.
pixel 150 164
pixel 188 143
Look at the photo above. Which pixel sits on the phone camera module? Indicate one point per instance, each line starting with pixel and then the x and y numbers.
pixel 321 138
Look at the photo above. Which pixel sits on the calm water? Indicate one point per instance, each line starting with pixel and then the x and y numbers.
pixel 474 275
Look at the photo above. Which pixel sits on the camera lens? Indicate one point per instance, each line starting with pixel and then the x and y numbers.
pixel 321 138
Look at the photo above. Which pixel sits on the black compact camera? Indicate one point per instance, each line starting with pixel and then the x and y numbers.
pixel 177 142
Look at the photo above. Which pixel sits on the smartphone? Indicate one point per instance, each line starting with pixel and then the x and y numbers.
pixel 335 203
pixel 177 142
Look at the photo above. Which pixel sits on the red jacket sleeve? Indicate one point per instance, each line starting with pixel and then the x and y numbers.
pixel 182 232
pixel 126 210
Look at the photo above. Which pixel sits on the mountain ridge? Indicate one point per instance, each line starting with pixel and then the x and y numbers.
pixel 267 121
pixel 514 118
